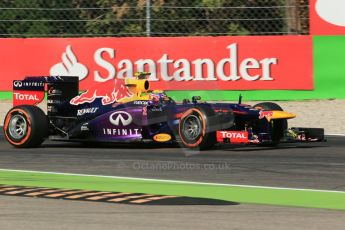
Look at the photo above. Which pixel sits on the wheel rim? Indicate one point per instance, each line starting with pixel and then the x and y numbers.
pixel 191 127
pixel 17 127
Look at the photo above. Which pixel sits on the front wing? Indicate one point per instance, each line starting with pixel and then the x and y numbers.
pixel 295 134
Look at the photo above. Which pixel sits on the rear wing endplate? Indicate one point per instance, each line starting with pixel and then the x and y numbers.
pixel 31 90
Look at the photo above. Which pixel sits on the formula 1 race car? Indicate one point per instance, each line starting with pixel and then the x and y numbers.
pixel 126 110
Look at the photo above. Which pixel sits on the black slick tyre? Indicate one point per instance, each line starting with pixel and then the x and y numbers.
pixel 278 126
pixel 193 129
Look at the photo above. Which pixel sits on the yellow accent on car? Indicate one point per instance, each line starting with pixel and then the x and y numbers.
pixel 162 137
pixel 139 89
pixel 281 115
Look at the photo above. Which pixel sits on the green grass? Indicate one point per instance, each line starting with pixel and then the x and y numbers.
pixel 5 95
pixel 242 194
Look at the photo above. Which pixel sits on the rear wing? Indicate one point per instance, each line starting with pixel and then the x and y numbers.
pixel 31 90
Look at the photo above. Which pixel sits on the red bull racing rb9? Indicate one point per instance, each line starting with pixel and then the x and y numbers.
pixel 128 111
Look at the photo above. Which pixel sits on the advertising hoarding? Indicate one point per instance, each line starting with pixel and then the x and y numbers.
pixel 176 63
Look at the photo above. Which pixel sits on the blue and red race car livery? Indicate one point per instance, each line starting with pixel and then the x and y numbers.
pixel 127 110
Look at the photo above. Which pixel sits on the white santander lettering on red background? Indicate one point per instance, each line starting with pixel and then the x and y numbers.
pixel 226 69
pixel 187 63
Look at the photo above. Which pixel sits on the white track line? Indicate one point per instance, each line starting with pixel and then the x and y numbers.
pixel 335 134
pixel 175 181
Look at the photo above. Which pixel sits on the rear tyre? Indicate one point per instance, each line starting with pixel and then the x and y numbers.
pixel 278 126
pixel 25 126
pixel 192 129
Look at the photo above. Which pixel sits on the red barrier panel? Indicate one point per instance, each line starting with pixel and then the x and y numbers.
pixel 181 63
pixel 327 17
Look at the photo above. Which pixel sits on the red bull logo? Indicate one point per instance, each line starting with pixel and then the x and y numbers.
pixel 110 92
pixel 267 114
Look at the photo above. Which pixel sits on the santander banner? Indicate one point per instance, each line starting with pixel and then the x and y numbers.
pixel 175 63
pixel 327 17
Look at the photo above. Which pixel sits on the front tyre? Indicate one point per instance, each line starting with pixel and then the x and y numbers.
pixel 25 126
pixel 192 130
pixel 277 126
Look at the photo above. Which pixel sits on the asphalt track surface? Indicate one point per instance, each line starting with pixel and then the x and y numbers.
pixel 41 214
pixel 312 165
pixel 298 165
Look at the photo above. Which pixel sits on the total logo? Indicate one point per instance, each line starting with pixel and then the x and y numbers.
pixel 229 134
pixel 120 118
pixel 233 136
pixel 26 97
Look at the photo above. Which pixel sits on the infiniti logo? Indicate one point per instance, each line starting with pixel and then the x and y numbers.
pixel 120 117
pixel 17 83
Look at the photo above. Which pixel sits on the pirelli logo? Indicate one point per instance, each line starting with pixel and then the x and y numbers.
pixel 109 197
